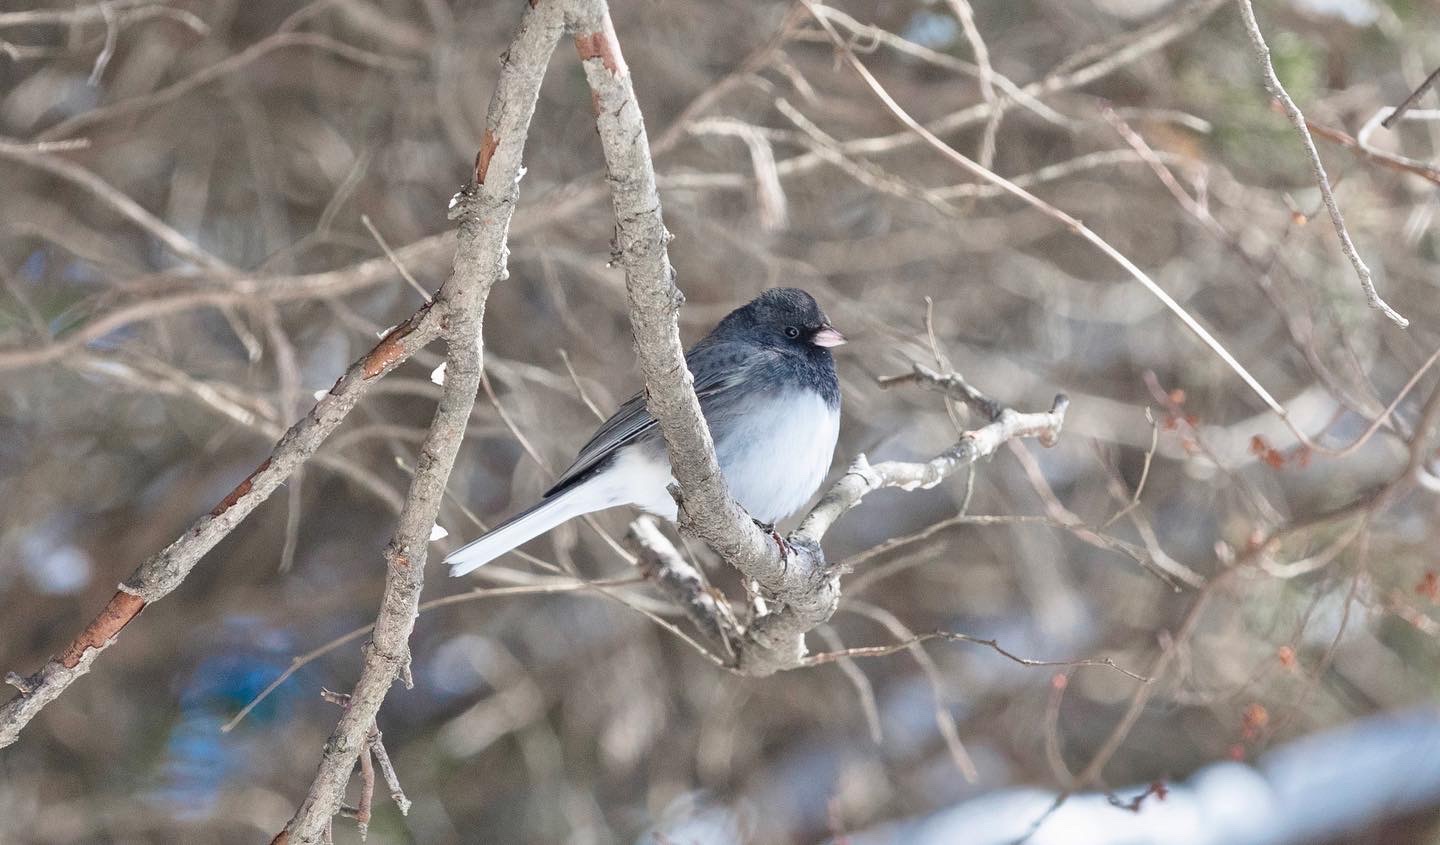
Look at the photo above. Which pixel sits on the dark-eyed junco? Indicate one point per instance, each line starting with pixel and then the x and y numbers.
pixel 768 389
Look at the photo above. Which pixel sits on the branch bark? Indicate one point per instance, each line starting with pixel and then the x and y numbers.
pixel 157 577
pixel 706 507
pixel 798 581
pixel 1317 168
pixel 485 210
pixel 774 639
pixel 801 591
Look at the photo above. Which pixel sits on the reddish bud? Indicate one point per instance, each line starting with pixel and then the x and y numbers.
pixel 1429 586
pixel 1254 720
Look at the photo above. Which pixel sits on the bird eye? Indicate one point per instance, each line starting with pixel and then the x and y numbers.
pixel 792 332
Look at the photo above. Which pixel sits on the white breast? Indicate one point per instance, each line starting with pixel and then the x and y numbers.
pixel 775 457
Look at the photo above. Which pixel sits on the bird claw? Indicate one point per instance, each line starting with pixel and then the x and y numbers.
pixel 769 528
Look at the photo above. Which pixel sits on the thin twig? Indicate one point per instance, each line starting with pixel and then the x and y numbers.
pixel 1358 145
pixel 157 577
pixel 1144 472
pixel 229 65
pixel 1317 168
pixel 864 690
pixel 112 34
pixel 953 637
pixel 944 719
pixel 1068 220
pixel 394 259
pixel 484 209
pixel 387 771
pixel 1409 102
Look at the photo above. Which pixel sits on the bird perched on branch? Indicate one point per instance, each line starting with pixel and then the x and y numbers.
pixel 767 386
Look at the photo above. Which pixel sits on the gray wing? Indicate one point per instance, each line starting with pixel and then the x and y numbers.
pixel 718 368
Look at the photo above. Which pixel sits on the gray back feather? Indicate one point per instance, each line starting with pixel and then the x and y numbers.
pixel 719 366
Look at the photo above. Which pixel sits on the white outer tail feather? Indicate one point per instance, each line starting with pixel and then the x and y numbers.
pixel 522 528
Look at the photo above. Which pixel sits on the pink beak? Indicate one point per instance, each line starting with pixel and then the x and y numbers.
pixel 828 337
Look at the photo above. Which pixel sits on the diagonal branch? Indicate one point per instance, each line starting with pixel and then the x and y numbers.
pixel 1410 101
pixel 800 590
pixel 157 577
pixel 1068 220
pixel 1317 168
pixel 706 507
pixel 485 210
pixel 661 562
pixel 774 640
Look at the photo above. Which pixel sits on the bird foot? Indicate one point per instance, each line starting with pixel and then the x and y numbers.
pixel 769 528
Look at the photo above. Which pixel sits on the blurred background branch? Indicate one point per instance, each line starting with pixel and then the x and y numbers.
pixel 185 263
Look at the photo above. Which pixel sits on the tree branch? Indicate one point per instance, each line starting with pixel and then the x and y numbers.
pixel 663 564
pixel 803 587
pixel 706 508
pixel 157 577
pixel 1410 101
pixel 810 590
pixel 1317 168
pixel 485 210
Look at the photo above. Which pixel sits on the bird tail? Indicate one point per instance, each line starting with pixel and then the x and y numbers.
pixel 518 529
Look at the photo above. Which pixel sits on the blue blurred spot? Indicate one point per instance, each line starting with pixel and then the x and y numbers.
pixel 33 270
pixel 200 761
pixel 931 29
pixel 81 271
pixel 52 565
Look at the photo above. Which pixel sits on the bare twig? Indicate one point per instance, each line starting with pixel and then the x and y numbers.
pixel 940 696
pixel 394 259
pixel 231 64
pixel 1409 102
pixel 1317 168
pixel 367 793
pixel 157 577
pixel 1070 222
pixel 112 33
pixel 864 690
pixel 775 642
pixel 1082 68
pixel 661 562
pixel 547 587
pixel 1362 149
pixel 38 157
pixel 230 290
pixel 953 637
pixel 1144 473
pixel 1422 446
pixel 485 210
pixel 387 771
pixel 966 16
